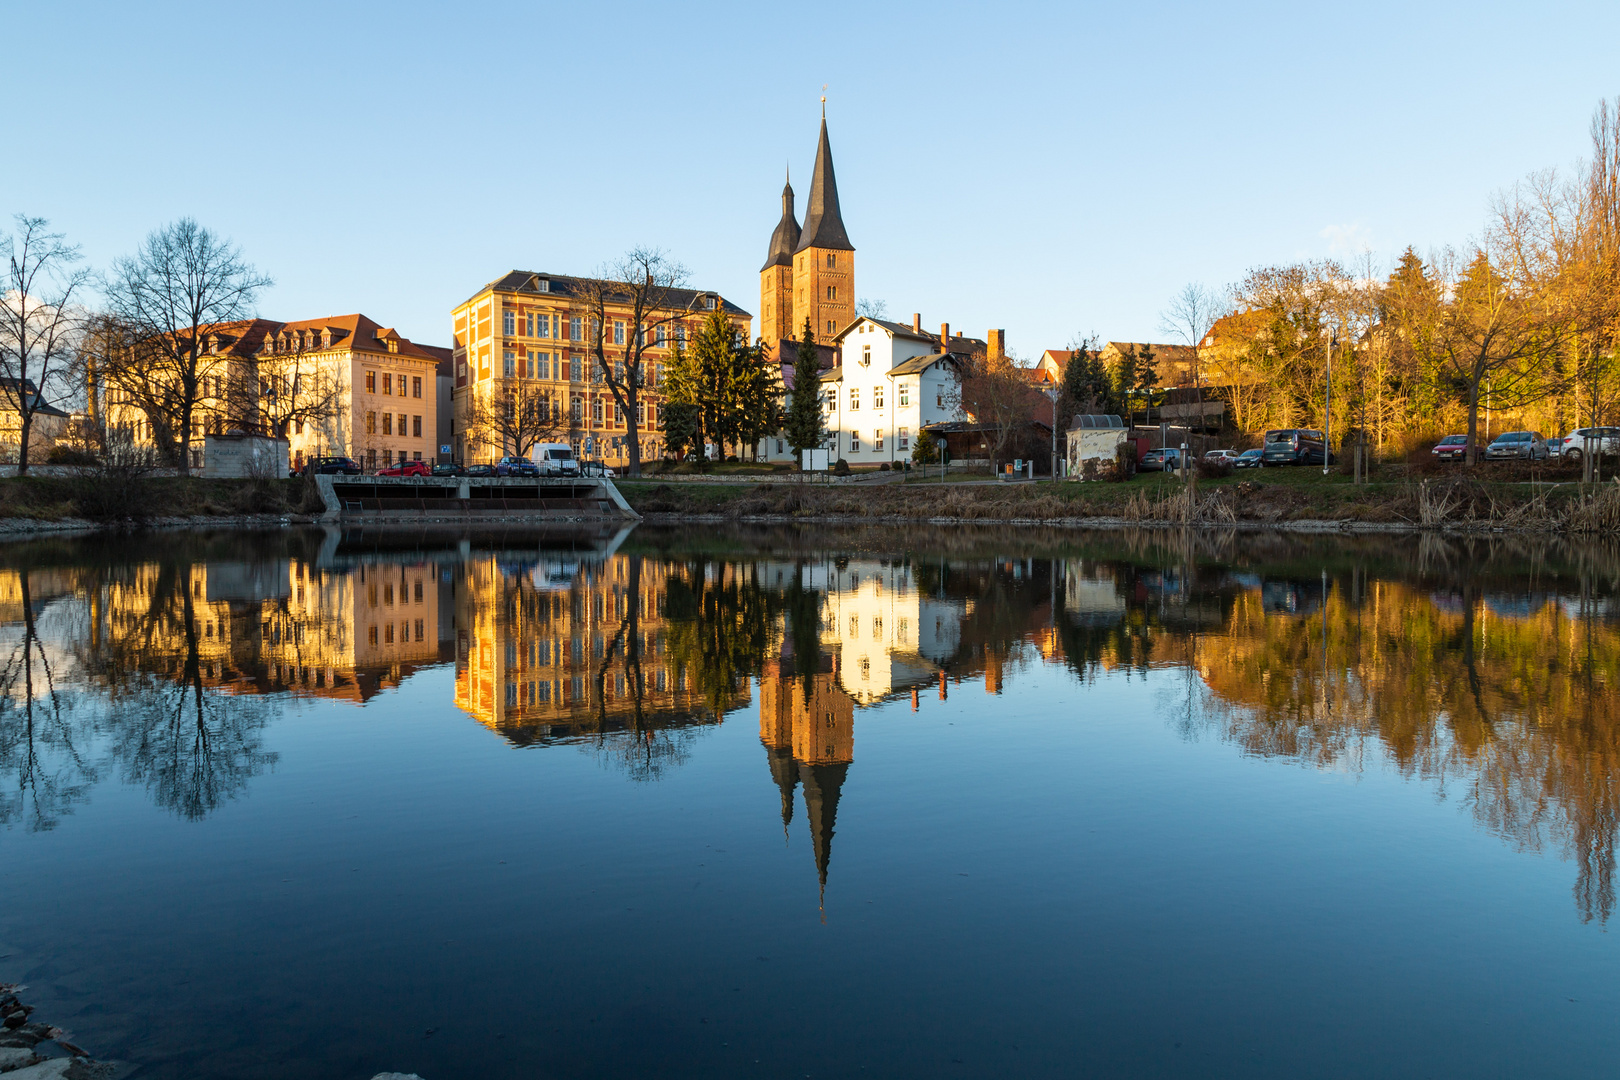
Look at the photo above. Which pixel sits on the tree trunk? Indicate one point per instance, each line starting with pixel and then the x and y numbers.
pixel 632 429
pixel 1473 421
pixel 26 421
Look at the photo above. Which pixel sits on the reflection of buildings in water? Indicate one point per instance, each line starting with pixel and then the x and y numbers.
pixel 276 626
pixel 887 635
pixel 556 648
pixel 40 587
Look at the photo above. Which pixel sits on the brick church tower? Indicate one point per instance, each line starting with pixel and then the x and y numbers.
pixel 817 267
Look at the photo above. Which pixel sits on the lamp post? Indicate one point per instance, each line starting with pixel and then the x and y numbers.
pixel 1327 407
pixel 1053 393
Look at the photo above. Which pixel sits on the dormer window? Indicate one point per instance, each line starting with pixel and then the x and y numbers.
pixel 708 303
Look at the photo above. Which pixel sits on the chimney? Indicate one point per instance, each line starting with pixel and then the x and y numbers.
pixel 945 336
pixel 998 344
pixel 916 323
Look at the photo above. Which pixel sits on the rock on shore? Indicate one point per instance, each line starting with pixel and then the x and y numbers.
pixel 35 1051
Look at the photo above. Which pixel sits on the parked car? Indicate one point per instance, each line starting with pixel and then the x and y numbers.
pixel 1555 446
pixel 1294 446
pixel 1517 445
pixel 1249 459
pixel 336 465
pixel 556 459
pixel 405 468
pixel 596 468
pixel 1451 448
pixel 448 468
pixel 516 466
pixel 1229 456
pixel 1165 459
pixel 480 470
pixel 1603 441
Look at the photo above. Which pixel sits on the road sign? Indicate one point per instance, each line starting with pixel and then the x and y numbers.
pixel 444 449
pixel 590 444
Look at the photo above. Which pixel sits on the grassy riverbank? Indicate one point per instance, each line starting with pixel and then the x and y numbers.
pixel 103 499
pixel 1274 496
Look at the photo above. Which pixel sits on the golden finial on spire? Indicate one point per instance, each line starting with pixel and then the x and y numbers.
pixel 824 101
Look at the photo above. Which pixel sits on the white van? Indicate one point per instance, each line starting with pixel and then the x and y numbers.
pixel 556 459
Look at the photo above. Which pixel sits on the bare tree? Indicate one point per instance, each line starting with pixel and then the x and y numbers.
pixel 632 304
pixel 1191 315
pixel 518 420
pixel 182 282
pixel 272 391
pixel 39 319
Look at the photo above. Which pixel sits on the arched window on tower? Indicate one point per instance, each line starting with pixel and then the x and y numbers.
pixel 832 260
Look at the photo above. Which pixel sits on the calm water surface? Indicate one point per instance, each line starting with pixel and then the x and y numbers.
pixel 814 804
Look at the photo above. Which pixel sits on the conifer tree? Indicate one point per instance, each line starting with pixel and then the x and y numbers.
pixel 804 426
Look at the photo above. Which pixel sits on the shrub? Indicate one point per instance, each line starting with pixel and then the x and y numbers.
pixel 1125 459
pixel 883 466
pixel 70 455
pixel 1212 468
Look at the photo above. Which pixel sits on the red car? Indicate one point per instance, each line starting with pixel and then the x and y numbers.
pixel 406 468
pixel 1451 448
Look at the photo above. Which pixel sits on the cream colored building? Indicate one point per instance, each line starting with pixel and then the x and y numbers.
pixel 343 385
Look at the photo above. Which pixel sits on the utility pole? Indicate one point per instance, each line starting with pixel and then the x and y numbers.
pixel 1054 393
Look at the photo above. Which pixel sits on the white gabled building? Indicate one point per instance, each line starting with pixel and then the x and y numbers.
pixel 891 382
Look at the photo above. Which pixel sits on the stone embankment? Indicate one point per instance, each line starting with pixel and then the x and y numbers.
pixel 30 1050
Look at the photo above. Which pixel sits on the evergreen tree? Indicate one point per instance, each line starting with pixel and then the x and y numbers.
pixel 684 393
pixel 1087 386
pixel 805 430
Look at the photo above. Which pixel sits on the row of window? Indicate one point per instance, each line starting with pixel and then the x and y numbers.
pixel 902 391
pixel 530 364
pixel 404 632
pixel 388 593
pixel 390 380
pixel 567 691
pixel 902 439
pixel 414 422
pixel 572 328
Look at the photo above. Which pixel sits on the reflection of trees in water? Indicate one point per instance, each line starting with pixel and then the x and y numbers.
pixel 720 623
pixel 1523 712
pixel 192 746
pixel 39 746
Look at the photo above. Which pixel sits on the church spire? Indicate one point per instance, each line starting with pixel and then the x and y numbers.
pixel 823 225
pixel 786 237
pixel 822 785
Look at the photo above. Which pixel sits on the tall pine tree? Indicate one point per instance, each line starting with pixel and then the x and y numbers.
pixel 804 426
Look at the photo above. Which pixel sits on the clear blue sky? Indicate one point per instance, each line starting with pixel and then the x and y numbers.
pixel 1046 168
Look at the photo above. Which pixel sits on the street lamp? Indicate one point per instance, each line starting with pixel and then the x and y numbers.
pixel 1053 393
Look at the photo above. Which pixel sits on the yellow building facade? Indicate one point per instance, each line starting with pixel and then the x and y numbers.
pixel 531 333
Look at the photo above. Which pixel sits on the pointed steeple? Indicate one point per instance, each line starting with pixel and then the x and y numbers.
pixel 785 771
pixel 823 225
pixel 822 784
pixel 786 237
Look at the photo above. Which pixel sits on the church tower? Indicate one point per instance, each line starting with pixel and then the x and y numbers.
pixel 824 259
pixel 776 276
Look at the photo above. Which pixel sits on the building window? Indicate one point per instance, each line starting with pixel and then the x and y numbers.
pixel 832 398
pixel 576 328
pixel 416 386
pixel 402 419
pixel 388 423
pixel 905 394
pixel 877 397
pixel 388 383
pixel 939 397
pixel 830 328
pixel 573 369
pixel 507 327
pixel 371 463
pixel 371 382
pixel 596 411
pixel 877 440
pixel 416 427
pixel 854 442
pixel 854 399
pixel 371 423
pixel 905 438
pixel 832 261
pixel 660 335
pixel 618 332
pixel 508 364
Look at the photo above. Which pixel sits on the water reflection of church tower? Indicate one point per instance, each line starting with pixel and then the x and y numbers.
pixel 807 723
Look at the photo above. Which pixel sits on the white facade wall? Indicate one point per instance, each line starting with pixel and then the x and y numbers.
pixel 871 413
